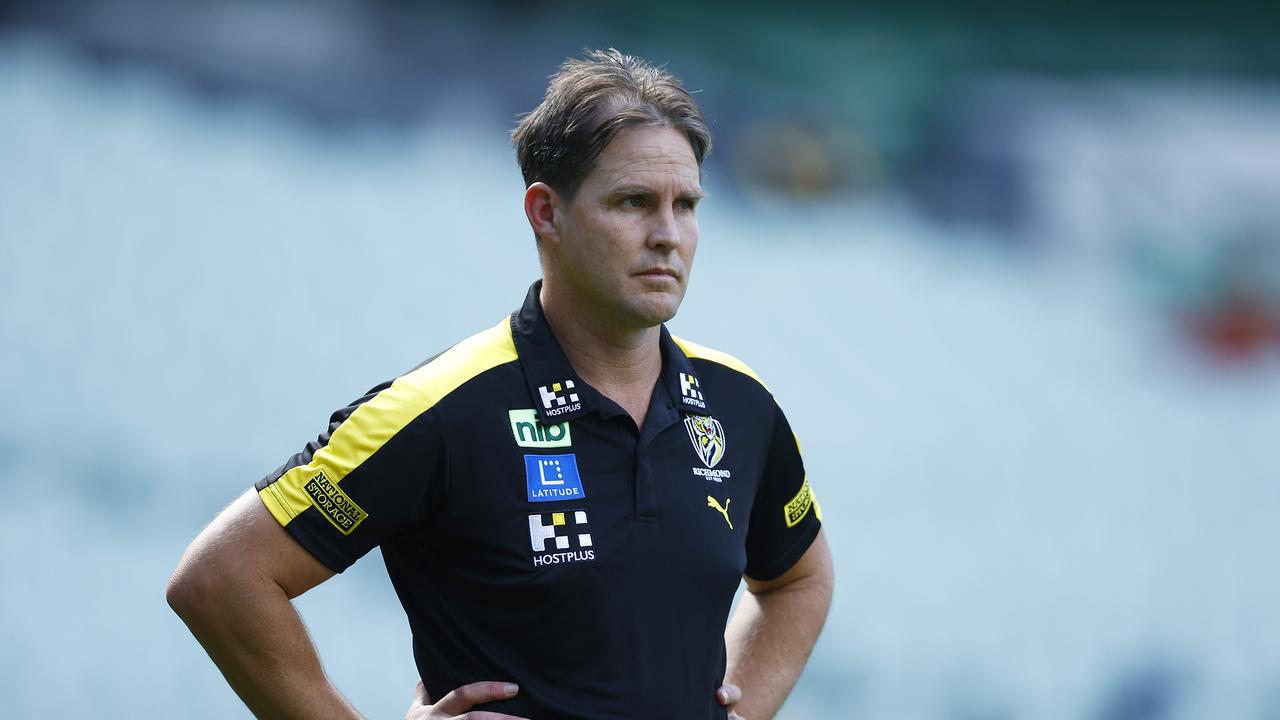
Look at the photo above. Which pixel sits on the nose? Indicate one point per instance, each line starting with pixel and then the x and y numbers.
pixel 664 231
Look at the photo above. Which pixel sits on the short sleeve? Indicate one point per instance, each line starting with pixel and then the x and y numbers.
pixel 785 517
pixel 363 481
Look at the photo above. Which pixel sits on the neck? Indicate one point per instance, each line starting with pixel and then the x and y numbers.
pixel 606 356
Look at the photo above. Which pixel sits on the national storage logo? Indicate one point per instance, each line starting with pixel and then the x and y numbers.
pixel 334 504
pixel 528 432
pixel 798 506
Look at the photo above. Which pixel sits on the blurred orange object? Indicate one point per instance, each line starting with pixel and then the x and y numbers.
pixel 1238 327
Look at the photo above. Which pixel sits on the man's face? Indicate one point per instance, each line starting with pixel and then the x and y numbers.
pixel 628 237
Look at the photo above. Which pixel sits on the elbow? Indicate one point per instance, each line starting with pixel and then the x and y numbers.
pixel 181 592
pixel 191 586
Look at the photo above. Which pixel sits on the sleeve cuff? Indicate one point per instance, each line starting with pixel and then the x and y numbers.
pixel 782 563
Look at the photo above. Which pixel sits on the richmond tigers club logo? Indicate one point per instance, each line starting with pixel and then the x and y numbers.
pixel 707 436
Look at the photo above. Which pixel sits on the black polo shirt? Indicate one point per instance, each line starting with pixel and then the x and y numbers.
pixel 534 534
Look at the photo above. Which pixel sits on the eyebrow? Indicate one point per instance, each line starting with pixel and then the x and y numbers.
pixel 642 190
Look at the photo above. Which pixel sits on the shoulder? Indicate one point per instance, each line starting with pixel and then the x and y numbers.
pixel 394 406
pixel 718 358
pixel 391 406
pixel 373 423
pixel 424 386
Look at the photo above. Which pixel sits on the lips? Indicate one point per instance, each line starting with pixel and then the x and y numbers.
pixel 660 272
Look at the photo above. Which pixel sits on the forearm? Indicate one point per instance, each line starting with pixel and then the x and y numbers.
pixel 256 638
pixel 768 640
pixel 233 588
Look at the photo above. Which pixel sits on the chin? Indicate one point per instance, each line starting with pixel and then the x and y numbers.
pixel 653 311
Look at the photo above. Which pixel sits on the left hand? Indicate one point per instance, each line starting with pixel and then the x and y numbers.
pixel 729 696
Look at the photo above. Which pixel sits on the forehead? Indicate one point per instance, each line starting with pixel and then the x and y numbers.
pixel 646 155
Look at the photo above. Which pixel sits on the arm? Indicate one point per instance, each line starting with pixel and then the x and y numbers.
pixel 233 588
pixel 773 630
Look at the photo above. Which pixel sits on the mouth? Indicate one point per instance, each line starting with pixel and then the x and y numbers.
pixel 659 273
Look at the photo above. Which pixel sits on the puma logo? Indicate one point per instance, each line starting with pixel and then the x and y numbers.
pixel 713 503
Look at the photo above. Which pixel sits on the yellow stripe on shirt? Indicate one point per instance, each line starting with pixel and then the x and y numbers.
pixel 702 352
pixel 375 422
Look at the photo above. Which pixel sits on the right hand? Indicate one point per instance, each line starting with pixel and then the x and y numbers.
pixel 457 703
pixel 729 696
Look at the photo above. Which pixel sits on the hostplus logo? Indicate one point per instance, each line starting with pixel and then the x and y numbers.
pixel 690 392
pixel 559 398
pixel 556 540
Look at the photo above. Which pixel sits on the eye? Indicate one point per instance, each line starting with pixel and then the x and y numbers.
pixel 687 204
pixel 633 201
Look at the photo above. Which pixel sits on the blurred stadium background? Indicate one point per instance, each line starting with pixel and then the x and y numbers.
pixel 1014 273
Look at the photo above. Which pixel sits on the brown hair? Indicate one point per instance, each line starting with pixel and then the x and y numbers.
pixel 587 103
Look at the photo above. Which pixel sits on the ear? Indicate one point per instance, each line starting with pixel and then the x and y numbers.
pixel 541 203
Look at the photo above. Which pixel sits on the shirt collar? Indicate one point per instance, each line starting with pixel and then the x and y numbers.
pixel 686 390
pixel 559 394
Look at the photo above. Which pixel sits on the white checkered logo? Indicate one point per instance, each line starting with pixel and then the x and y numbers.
pixel 560 537
pixel 690 392
pixel 558 395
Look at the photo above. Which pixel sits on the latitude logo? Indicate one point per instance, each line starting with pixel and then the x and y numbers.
pixel 549 478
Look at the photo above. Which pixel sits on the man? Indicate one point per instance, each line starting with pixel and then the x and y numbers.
pixel 566 502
